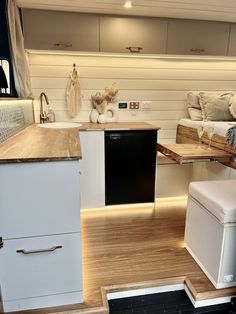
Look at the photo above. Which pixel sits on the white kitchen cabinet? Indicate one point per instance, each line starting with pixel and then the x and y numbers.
pixel 119 33
pixel 197 37
pixel 39 198
pixel 39 272
pixel 92 168
pixel 60 30
pixel 40 226
pixel 232 40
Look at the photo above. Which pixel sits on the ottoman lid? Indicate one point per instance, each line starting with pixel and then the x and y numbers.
pixel 218 197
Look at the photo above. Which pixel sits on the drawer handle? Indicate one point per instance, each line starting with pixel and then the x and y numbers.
pixel 134 49
pixel 51 249
pixel 198 50
pixel 1 243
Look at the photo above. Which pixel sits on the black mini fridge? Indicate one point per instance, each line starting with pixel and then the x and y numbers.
pixel 130 166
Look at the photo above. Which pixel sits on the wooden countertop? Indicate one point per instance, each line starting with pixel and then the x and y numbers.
pixel 41 144
pixel 44 144
pixel 182 153
pixel 118 126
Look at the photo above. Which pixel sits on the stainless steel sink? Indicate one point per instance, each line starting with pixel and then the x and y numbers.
pixel 60 125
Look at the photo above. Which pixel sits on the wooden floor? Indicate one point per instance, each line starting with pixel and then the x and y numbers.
pixel 124 246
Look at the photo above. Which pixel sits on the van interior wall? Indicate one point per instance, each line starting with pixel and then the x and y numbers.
pixel 163 82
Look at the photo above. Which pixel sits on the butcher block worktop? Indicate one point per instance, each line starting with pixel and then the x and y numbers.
pixel 118 126
pixel 40 144
pixel 44 144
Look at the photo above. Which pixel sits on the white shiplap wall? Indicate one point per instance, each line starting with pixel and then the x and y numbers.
pixel 164 82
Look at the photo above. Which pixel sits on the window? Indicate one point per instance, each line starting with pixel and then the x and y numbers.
pixel 5 59
pixel 6 68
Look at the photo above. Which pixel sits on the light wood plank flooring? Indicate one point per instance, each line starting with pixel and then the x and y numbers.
pixel 124 246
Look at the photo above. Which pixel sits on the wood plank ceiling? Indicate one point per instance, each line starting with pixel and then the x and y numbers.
pixel 217 10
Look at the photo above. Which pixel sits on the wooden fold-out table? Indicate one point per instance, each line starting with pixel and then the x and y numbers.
pixel 186 153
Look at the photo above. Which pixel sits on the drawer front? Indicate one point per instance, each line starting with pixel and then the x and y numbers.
pixel 39 199
pixel 29 274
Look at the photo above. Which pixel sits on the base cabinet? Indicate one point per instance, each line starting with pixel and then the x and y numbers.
pixel 118 167
pixel 40 258
pixel 39 198
pixel 212 244
pixel 39 267
pixel 92 167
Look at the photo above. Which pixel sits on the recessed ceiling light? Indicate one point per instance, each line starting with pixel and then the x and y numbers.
pixel 128 4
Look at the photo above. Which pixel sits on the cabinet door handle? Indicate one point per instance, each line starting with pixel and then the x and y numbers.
pixel 198 50
pixel 62 45
pixel 51 249
pixel 1 242
pixel 134 49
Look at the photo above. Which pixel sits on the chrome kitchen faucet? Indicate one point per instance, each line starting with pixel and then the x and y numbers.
pixel 43 115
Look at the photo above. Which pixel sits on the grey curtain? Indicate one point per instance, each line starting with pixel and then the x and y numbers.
pixel 18 54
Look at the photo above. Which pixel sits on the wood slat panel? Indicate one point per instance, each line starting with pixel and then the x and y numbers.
pixel 59 94
pixel 137 84
pixel 164 82
pixel 51 59
pixel 156 105
pixel 134 73
pixel 128 115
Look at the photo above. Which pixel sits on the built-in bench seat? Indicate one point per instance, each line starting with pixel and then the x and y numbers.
pixel 210 231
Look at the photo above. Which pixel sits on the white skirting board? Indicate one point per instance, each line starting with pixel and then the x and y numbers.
pixel 143 291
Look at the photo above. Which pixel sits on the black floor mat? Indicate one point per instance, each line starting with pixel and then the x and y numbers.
pixel 176 302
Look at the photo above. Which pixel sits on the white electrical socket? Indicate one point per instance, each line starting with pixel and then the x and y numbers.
pixel 146 105
pixel 228 278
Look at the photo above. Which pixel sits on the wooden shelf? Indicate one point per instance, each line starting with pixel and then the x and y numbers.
pixel 186 153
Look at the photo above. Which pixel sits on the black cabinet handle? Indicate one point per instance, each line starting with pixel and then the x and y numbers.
pixel 114 137
pixel 197 50
pixel 1 243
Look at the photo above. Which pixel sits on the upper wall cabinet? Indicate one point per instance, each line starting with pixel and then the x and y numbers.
pixel 197 37
pixel 132 34
pixel 232 41
pixel 60 30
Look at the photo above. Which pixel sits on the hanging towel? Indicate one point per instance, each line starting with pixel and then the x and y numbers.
pixel 231 136
pixel 73 94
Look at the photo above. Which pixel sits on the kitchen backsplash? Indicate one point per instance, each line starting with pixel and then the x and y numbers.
pixel 15 115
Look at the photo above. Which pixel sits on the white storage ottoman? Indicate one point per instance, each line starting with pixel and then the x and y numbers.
pixel 210 230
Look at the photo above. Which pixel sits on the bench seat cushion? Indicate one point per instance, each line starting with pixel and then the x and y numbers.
pixel 218 197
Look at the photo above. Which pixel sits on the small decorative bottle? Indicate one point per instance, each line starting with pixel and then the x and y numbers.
pixel 51 115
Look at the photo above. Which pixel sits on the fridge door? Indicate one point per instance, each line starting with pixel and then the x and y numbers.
pixel 130 166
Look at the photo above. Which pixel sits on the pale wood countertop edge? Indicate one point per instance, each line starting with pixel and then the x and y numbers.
pixel 35 144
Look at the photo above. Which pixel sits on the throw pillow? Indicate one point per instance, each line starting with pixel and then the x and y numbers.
pixel 195 114
pixel 232 106
pixel 214 107
pixel 193 100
